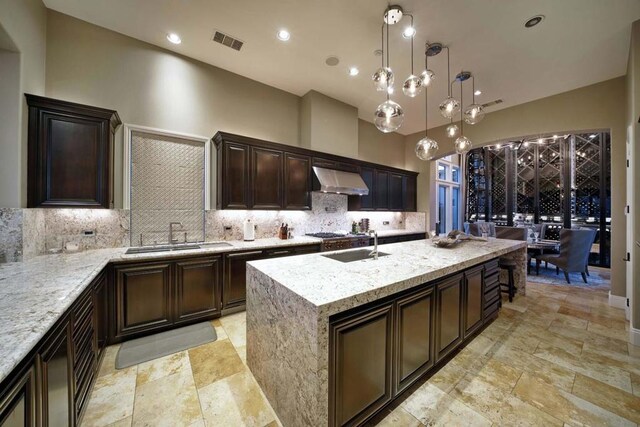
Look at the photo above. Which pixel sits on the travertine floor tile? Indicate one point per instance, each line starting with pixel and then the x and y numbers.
pixel 220 332
pixel 433 407
pixel 125 422
pixel 447 377
pixel 168 401
pixel 235 401
pixel 108 365
pixel 214 361
pixel 399 417
pixel 615 400
pixel 111 399
pixel 585 336
pixel 498 374
pixel 619 334
pixel 235 326
pixel 163 367
pixel 635 384
pixel 499 406
pixel 564 405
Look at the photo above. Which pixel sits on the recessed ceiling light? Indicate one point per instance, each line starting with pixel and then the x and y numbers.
pixel 409 32
pixel 353 71
pixel 477 92
pixel 283 35
pixel 174 38
pixel 533 21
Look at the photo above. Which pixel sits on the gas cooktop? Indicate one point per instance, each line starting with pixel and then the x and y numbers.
pixel 328 235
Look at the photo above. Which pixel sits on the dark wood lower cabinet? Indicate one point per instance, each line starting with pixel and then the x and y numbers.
pixel 448 315
pixel 361 355
pixel 197 289
pixel 377 352
pixel 18 401
pixel 414 331
pixel 143 298
pixel 56 372
pixel 234 293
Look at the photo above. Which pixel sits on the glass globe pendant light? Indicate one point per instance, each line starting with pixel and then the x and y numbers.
pixel 388 116
pixel 462 143
pixel 427 77
pixel 412 86
pixel 450 106
pixel 474 113
pixel 426 148
pixel 452 130
pixel 383 79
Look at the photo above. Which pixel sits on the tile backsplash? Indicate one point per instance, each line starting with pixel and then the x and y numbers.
pixel 26 233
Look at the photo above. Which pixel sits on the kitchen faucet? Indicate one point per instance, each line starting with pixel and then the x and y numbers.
pixel 171 239
pixel 374 252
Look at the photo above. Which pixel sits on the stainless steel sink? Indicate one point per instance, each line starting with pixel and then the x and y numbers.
pixel 354 255
pixel 166 248
pixel 215 244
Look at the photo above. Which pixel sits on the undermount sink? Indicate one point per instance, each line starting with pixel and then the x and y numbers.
pixel 352 256
pixel 151 249
pixel 215 244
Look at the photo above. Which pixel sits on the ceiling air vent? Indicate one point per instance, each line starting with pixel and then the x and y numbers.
pixel 492 103
pixel 227 40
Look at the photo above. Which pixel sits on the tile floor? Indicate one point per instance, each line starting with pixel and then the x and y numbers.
pixel 558 356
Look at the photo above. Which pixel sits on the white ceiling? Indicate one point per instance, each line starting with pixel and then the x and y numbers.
pixel 579 43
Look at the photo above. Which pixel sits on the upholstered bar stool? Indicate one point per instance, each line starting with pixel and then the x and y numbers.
pixel 512 233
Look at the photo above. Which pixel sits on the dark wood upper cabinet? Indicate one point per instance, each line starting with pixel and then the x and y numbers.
pixel 233 171
pixel 266 178
pixel 396 196
pixel 297 182
pixel 409 193
pixel 364 203
pixel 70 154
pixel 381 190
pixel 197 288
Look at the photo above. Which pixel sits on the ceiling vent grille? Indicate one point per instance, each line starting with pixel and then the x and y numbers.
pixel 492 103
pixel 227 40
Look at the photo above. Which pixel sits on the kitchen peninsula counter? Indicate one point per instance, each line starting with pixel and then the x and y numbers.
pixel 291 304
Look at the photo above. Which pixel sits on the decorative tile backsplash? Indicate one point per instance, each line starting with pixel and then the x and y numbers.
pixel 167 185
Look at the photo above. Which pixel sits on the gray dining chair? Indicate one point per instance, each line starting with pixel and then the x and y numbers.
pixel 474 228
pixel 575 246
pixel 513 233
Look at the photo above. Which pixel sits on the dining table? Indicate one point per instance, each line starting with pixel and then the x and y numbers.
pixel 539 246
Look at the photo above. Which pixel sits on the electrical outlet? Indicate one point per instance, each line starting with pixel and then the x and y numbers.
pixel 385 222
pixel 227 228
pixel 88 233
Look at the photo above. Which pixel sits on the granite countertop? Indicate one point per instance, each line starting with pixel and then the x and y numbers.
pixel 333 286
pixel 34 294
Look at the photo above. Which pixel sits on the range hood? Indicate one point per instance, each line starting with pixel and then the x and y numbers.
pixel 340 182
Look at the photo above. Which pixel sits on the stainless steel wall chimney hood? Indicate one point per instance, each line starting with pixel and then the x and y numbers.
pixel 340 182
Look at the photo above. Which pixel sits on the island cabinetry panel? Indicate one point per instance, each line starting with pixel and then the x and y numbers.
pixel 361 357
pixel 197 293
pixel 448 315
pixel 56 379
pixel 474 301
pixel 101 303
pixel 85 351
pixel 297 182
pixel 414 331
pixel 18 401
pixel 491 293
pixel 143 298
pixel 266 178
pixel 70 154
pixel 234 292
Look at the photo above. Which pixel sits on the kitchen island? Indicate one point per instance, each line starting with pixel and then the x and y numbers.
pixel 332 343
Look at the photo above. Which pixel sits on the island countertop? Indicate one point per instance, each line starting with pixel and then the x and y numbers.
pixel 333 286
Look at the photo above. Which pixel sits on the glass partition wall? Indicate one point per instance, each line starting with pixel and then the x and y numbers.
pixel 559 181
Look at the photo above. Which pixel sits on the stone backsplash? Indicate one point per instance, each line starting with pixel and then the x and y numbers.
pixel 26 233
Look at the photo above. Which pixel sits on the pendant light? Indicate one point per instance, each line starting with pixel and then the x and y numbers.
pixel 474 113
pixel 462 143
pixel 383 77
pixel 413 84
pixel 452 130
pixel 426 148
pixel 450 106
pixel 389 115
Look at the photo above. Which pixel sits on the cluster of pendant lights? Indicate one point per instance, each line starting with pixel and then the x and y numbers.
pixel 389 115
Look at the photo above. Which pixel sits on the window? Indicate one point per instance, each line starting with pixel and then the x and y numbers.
pixel 448 195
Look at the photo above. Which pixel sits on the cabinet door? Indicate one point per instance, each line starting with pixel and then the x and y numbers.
pixel 83 333
pixel 297 182
pixel 266 178
pixel 414 337
pixel 101 304
pixel 360 364
pixel 396 198
pixel 364 203
pixel 18 402
pixel 449 315
pixel 409 193
pixel 381 196
pixel 57 384
pixel 234 292
pixel 473 296
pixel 143 298
pixel 234 184
pixel 197 289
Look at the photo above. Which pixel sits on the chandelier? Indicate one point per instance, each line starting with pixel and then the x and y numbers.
pixel 389 115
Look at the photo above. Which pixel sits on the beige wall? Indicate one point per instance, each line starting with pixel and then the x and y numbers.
pixel 633 115
pixel 328 125
pixel 378 147
pixel 23 26
pixel 599 106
